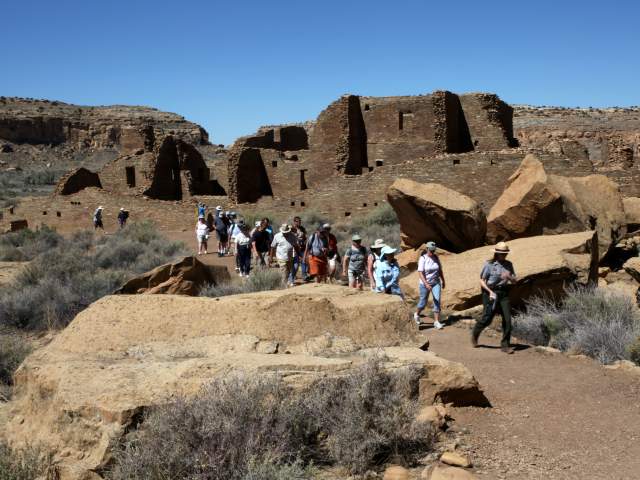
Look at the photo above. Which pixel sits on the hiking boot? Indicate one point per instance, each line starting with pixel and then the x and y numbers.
pixel 507 350
pixel 416 318
pixel 437 325
pixel 474 340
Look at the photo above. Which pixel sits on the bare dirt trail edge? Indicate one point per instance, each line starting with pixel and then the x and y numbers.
pixel 553 416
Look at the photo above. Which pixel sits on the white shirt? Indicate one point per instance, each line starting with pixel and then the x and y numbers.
pixel 242 239
pixel 201 229
pixel 431 269
pixel 283 243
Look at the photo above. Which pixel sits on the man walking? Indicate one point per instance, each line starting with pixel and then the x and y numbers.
pixel 284 246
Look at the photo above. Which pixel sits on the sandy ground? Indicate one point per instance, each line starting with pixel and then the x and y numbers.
pixel 553 416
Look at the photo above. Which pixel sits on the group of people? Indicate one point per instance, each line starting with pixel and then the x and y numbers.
pixel 123 216
pixel 317 255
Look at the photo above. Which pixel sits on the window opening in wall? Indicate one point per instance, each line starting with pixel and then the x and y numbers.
pixel 131 176
pixel 366 107
pixel 371 169
pixel 58 214
pixel 379 163
pixel 364 204
pixel 302 204
pixel 475 143
pixel 274 163
pixel 404 120
pixel 44 212
pixel 375 204
pixel 303 181
pixel 347 214
pixel 400 120
pixel 456 161
pixel 293 204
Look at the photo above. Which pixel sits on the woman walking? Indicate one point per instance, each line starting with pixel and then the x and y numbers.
pixel 496 278
pixel 316 255
pixel 202 235
pixel 243 249
pixel 430 282
pixel 353 262
pixel 372 260
pixel 388 272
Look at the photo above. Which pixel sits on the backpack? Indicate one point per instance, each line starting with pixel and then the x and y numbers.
pixel 316 245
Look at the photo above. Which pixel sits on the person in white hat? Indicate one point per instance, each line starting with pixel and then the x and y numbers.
pixel 97 218
pixel 388 272
pixel 123 216
pixel 202 235
pixel 372 260
pixel 284 246
pixel 430 282
pixel 496 277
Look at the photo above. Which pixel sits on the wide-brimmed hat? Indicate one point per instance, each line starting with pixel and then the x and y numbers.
pixel 200 217
pixel 218 208
pixel 431 246
pixel 379 243
pixel 501 247
pixel 122 209
pixel 285 228
pixel 356 238
pixel 387 250
pixel 327 226
pixel 100 207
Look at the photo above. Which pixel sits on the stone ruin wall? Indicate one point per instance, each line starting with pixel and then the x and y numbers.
pixel 359 145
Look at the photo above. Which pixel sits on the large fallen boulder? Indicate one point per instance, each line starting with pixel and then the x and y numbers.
pixel 632 213
pixel 184 277
pixel 431 212
pixel 79 395
pixel 527 207
pixel 544 265
pixel 534 203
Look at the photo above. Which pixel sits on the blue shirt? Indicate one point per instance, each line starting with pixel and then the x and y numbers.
pixel 388 275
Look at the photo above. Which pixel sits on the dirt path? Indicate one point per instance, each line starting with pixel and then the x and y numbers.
pixel 553 416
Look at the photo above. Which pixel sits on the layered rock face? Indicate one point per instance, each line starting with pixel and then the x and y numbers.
pixel 79 395
pixel 543 264
pixel 46 122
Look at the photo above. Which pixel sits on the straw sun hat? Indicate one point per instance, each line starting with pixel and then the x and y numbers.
pixel 501 247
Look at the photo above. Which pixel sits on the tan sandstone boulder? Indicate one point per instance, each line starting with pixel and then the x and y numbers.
pixel 527 206
pixel 184 277
pixel 543 264
pixel 78 395
pixel 444 472
pixel 431 212
pixel 534 203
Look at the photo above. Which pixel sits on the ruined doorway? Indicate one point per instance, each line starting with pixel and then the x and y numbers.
pixel 303 181
pixel 130 173
pixel 166 183
pixel 252 181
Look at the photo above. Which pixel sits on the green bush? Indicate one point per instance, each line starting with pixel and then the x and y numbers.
pixel 591 321
pixel 70 274
pixel 25 244
pixel 255 427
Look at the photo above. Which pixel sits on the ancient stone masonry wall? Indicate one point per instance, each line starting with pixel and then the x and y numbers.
pixel 489 120
pixel 77 180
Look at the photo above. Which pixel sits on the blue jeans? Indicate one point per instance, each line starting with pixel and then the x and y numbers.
pixel 298 262
pixel 424 296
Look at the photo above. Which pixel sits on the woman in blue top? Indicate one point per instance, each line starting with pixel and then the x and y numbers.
pixel 388 272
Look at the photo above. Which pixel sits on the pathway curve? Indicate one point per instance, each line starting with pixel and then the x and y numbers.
pixel 553 416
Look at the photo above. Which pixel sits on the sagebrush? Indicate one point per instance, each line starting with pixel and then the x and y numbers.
pixel 592 321
pixel 67 275
pixel 255 427
pixel 261 279
pixel 27 464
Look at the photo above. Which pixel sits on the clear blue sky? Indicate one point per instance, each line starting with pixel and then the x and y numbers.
pixel 234 65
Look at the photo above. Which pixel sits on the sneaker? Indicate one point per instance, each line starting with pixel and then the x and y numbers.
pixel 416 318
pixel 438 325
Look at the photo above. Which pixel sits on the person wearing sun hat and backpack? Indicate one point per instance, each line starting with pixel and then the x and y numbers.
pixel 496 278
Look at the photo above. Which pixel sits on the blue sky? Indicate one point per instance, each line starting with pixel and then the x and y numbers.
pixel 235 65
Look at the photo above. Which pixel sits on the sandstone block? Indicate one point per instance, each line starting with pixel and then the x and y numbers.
pixel 455 459
pixel 443 472
pixel 396 472
pixel 431 212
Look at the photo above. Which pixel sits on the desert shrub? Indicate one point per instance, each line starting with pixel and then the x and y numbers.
pixel 63 280
pixel 357 421
pixel 20 465
pixel 634 351
pixel 13 350
pixel 260 280
pixel 383 215
pixel 26 244
pixel 591 321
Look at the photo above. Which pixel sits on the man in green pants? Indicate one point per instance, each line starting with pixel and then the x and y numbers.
pixel 496 277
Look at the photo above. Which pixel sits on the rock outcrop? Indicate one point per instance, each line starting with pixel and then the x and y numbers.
pixel 184 277
pixel 632 213
pixel 535 203
pixel 79 395
pixel 431 212
pixel 543 264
